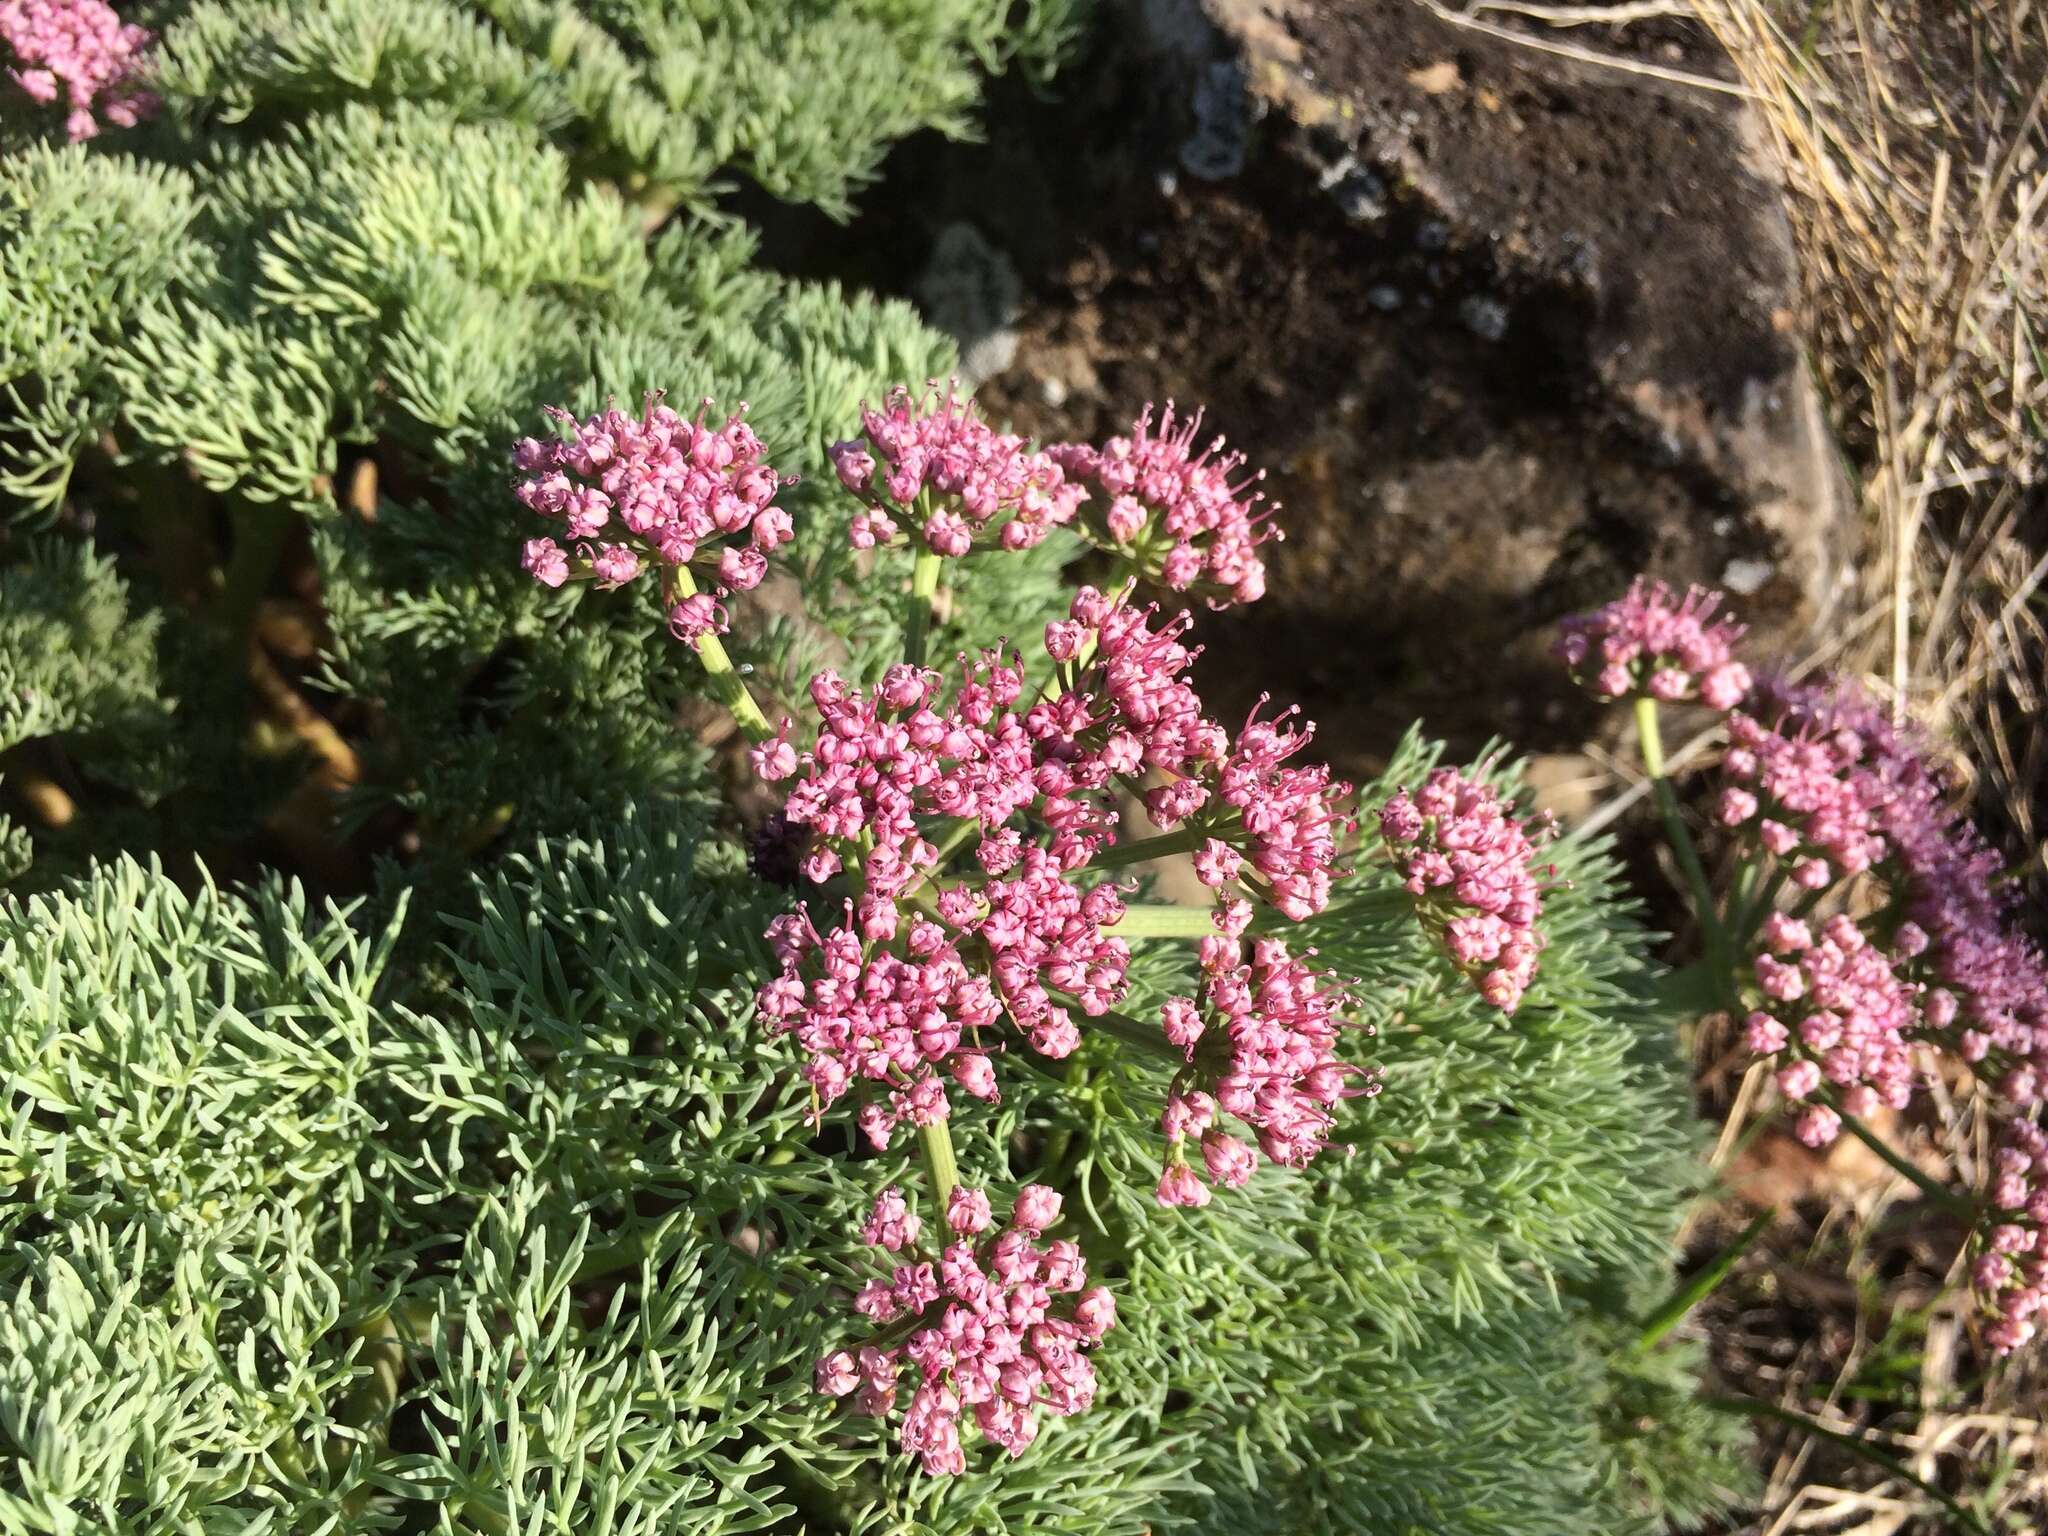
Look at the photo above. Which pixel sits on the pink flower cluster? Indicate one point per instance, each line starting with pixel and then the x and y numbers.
pixel 1797 790
pixel 936 443
pixel 924 961
pixel 1820 779
pixel 2011 1272
pixel 985 1326
pixel 1262 1048
pixel 81 51
pixel 1471 867
pixel 656 492
pixel 1287 814
pixel 1988 983
pixel 1838 1008
pixel 1651 641
pixel 1173 509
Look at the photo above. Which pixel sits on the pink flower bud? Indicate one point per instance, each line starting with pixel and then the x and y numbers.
pixel 1724 687
pixel 1095 1312
pixel 1798 1079
pixel 1179 1186
pixel 1182 1022
pixel 1817 1125
pixel 1230 1161
pixel 974 1073
pixel 854 466
pixel 1737 806
pixel 836 1374
pixel 1036 1208
pixel 545 562
pixel 967 1210
pixel 1764 1035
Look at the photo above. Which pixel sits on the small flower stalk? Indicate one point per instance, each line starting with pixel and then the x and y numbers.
pixel 990 1328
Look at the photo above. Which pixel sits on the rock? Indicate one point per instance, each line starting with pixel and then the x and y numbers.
pixel 969 290
pixel 1606 380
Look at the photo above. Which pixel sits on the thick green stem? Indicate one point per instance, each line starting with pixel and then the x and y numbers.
pixel 726 681
pixel 369 1406
pixel 1185 841
pixel 941 1169
pixel 924 588
pixel 1652 743
pixel 1164 922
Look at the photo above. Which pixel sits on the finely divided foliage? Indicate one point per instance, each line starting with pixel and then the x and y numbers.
pixel 568 1188
pixel 492 1203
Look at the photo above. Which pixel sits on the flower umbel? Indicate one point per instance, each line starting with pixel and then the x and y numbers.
pixel 655 493
pixel 81 55
pixel 931 460
pixel 995 1327
pixel 1471 868
pixel 1262 1047
pixel 1652 641
pixel 1173 510
pixel 1017 928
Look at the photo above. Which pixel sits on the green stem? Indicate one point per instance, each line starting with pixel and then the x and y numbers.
pixel 725 678
pixel 1700 1286
pixel 1652 743
pixel 1855 1445
pixel 260 529
pixel 941 1169
pixel 1187 840
pixel 1152 921
pixel 1946 1198
pixel 369 1406
pixel 1148 1038
pixel 924 587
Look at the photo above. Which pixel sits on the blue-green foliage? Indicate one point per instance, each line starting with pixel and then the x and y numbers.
pixel 565 1172
pixel 485 1205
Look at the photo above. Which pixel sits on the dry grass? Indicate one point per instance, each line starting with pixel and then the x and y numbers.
pixel 1913 138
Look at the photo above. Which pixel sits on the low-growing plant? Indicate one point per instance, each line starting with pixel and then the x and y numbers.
pixel 694 1036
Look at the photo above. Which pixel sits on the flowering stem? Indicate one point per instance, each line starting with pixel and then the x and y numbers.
pixel 1187 840
pixel 1154 921
pixel 941 1168
pixel 725 678
pixel 924 587
pixel 1652 744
